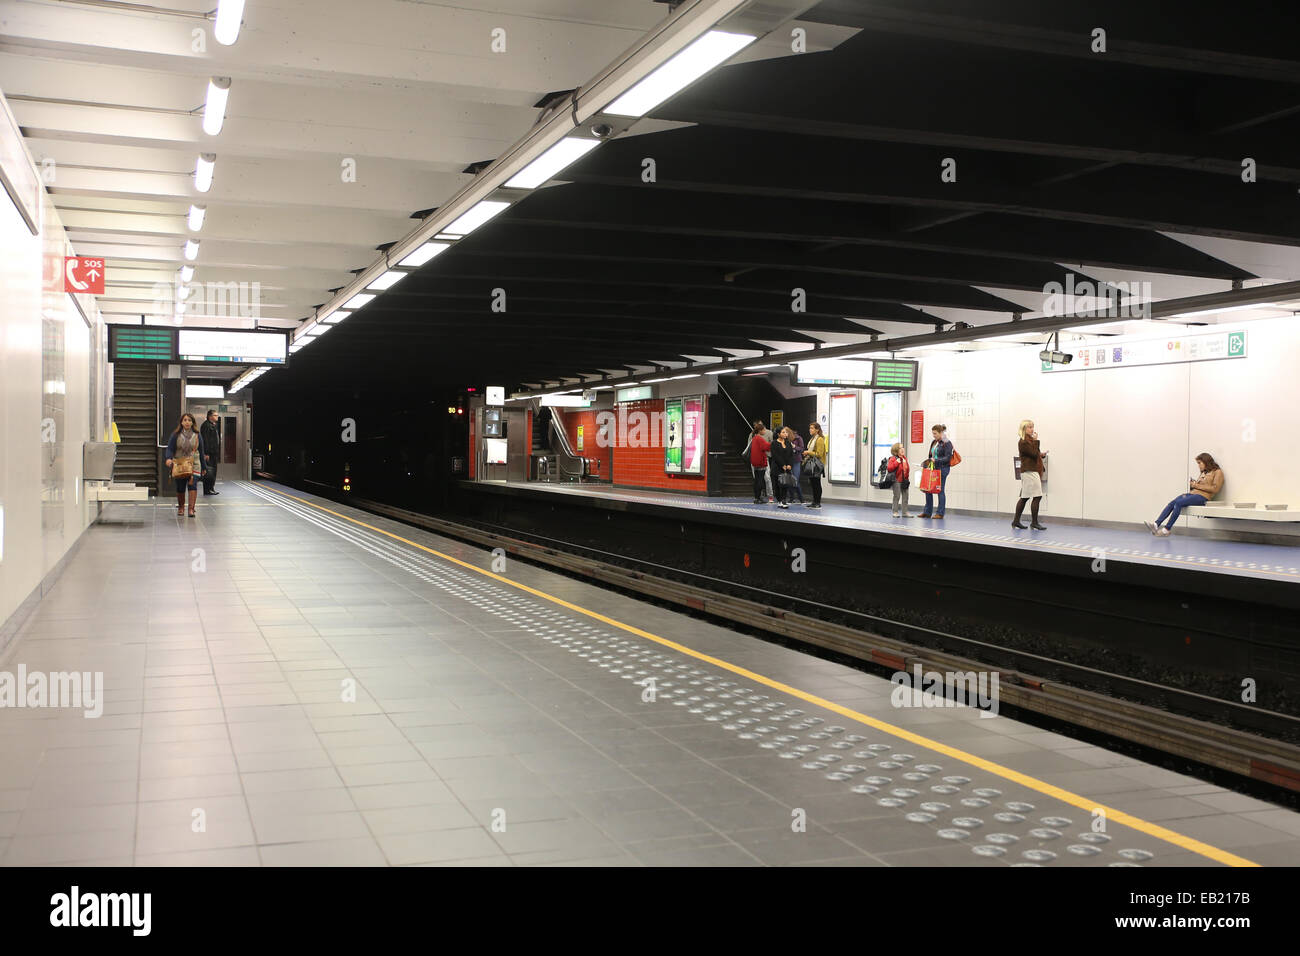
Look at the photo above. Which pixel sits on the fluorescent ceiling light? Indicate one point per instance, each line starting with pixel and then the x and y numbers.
pixel 1229 308
pixel 335 317
pixel 448 235
pixel 197 212
pixel 653 381
pixel 692 375
pixel 191 249
pixel 716 46
pixel 544 167
pixel 203 171
pixel 187 273
pixel 722 371
pixel 750 368
pixel 358 300
pixel 478 214
pixel 423 254
pixel 230 14
pixel 214 108
pixel 387 280
pixel 319 329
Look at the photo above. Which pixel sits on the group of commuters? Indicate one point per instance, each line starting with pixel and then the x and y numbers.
pixel 778 461
pixel 192 453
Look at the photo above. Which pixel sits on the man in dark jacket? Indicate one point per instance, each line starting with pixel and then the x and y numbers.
pixel 210 432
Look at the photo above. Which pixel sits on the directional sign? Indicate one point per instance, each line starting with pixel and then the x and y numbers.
pixel 83 275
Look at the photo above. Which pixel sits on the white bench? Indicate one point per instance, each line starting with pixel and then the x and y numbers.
pixel 113 491
pixel 1249 511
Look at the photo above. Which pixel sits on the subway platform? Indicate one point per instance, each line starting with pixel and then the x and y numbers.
pixel 289 681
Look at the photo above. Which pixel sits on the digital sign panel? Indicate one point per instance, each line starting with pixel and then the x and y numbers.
pixel 226 347
pixel 141 343
pixel 895 373
pixel 839 373
pixel 634 393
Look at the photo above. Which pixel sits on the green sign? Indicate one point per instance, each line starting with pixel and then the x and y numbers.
pixel 141 343
pixel 890 373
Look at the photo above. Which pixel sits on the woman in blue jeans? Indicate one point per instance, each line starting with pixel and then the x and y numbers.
pixel 1203 488
pixel 941 456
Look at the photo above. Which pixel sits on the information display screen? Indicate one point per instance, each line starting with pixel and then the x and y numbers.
pixel 895 373
pixel 226 347
pixel 141 343
pixel 843 450
pixel 840 373
pixel 634 393
pixel 496 450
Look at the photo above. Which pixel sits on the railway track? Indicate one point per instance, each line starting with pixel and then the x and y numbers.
pixel 1192 726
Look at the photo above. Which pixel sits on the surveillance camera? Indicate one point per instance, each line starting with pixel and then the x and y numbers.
pixel 602 130
pixel 1056 358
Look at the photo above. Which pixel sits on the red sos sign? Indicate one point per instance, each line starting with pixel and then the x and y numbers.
pixel 83 275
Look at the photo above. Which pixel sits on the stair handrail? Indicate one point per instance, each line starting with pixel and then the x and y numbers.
pixel 749 426
pixel 558 434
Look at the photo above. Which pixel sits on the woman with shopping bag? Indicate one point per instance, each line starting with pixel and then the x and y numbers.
pixel 185 457
pixel 934 474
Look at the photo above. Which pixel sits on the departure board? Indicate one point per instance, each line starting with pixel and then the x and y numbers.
pixel 141 343
pixel 894 373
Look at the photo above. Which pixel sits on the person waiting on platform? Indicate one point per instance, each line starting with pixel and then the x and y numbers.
pixel 210 432
pixel 1202 489
pixel 940 457
pixel 782 459
pixel 1031 476
pixel 758 450
pixel 816 449
pixel 796 443
pixel 901 471
pixel 185 456
pixel 760 428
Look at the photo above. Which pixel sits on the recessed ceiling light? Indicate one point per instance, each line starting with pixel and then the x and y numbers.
pixel 544 167
pixel 358 300
pixel 387 280
pixel 478 214
pixel 681 71
pixel 423 254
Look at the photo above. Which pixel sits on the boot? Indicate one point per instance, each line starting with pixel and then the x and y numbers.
pixel 194 497
pixel 180 504
pixel 1020 510
pixel 1033 522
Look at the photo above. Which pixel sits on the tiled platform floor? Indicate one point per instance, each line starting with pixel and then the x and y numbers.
pixel 1210 555
pixel 494 727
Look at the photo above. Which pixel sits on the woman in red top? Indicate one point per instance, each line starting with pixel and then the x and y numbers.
pixel 901 470
pixel 758 448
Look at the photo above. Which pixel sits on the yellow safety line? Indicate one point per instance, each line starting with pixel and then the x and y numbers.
pixel 1033 783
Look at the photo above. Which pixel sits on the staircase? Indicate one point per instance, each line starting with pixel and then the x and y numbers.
pixel 737 479
pixel 135 410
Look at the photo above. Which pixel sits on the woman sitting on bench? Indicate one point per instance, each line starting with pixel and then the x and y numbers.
pixel 1202 489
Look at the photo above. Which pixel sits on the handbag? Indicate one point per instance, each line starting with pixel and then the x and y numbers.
pixel 814 467
pixel 183 466
pixel 786 479
pixel 955 460
pixel 931 480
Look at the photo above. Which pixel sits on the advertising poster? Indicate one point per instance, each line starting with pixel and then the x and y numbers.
pixel 673 436
pixel 692 436
pixel 844 438
pixel 778 421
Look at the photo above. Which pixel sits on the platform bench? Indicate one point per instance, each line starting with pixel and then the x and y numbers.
pixel 1244 511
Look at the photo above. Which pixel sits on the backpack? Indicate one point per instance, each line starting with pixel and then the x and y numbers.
pixel 884 477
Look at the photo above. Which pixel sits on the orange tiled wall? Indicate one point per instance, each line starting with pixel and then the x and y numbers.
pixel 591 448
pixel 644 467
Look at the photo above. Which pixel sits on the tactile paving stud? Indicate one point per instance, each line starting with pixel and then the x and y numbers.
pixel 805 748
pixel 1002 838
pixel 879 781
pixel 1091 837
pixel 916 777
pixel 830 758
pixel 789 755
pixel 891 802
pixel 813 765
pixel 1083 849
pixel 920 817
pixel 967 823
pixel 864 788
pixel 1056 822
pixel 950 833
pixel 889 765
pixel 1045 833
pixel 902 758
pixel 838 775
pixel 934 806
pixel 957 781
pixel 854 738
pixel 928 767
pixel 974 802
pixel 986 792
pixel 1136 855
pixel 1009 817
pixel 983 849
pixel 1019 806
pixel 820 735
pixel 905 793
pixel 945 788
pixel 853 768
pixel 1039 856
